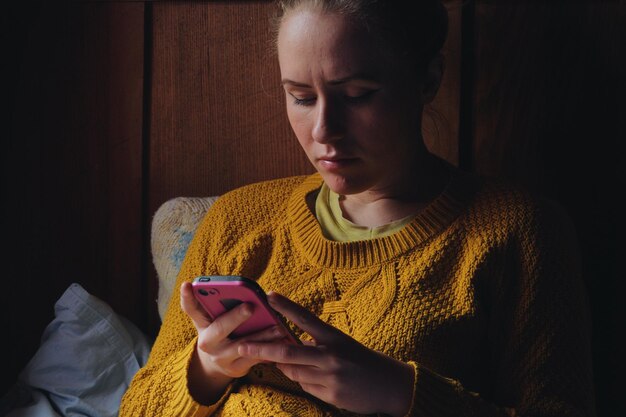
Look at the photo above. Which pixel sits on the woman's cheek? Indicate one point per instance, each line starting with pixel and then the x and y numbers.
pixel 300 127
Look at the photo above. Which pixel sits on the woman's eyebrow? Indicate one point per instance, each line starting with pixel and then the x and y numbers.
pixel 294 83
pixel 355 77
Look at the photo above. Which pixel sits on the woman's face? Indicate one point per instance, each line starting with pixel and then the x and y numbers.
pixel 354 109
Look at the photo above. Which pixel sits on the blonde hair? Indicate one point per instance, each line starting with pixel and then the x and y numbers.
pixel 416 30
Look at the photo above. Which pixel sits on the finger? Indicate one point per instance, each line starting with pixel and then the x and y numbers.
pixel 282 353
pixel 225 358
pixel 192 307
pixel 242 365
pixel 316 390
pixel 302 374
pixel 322 332
pixel 226 323
pixel 273 333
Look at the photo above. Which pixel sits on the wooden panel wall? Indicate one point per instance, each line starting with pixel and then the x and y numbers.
pixel 442 116
pixel 217 119
pixel 71 164
pixel 115 107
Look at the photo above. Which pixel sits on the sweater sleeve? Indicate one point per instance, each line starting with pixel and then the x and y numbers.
pixel 233 239
pixel 160 387
pixel 540 355
pixel 163 390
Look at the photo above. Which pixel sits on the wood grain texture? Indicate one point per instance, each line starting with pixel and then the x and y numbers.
pixel 441 117
pixel 547 84
pixel 72 165
pixel 217 107
pixel 512 87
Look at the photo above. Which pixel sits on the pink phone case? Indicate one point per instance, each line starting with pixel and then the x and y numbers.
pixel 219 293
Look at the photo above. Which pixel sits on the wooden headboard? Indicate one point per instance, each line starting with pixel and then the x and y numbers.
pixel 116 107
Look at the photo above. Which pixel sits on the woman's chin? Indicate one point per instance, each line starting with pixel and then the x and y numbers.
pixel 344 184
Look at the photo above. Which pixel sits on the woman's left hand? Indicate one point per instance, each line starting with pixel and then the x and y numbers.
pixel 336 368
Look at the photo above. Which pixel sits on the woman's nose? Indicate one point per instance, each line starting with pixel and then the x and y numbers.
pixel 329 123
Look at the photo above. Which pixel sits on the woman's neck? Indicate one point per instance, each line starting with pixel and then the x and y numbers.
pixel 384 205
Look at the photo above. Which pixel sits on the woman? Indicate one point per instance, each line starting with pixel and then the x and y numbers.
pixel 417 289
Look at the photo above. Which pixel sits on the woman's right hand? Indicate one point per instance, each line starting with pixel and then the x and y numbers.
pixel 216 361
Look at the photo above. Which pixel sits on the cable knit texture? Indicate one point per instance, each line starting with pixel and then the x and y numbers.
pixel 481 293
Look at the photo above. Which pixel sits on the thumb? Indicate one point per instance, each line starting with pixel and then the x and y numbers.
pixel 322 332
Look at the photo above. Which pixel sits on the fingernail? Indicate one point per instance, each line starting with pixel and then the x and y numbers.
pixel 246 310
pixel 271 297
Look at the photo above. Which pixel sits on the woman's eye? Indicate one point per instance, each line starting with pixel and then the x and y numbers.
pixel 302 101
pixel 349 97
pixel 359 96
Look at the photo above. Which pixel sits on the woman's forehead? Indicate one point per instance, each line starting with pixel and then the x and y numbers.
pixel 330 42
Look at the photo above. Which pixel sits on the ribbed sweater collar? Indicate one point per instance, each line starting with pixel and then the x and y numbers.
pixel 432 220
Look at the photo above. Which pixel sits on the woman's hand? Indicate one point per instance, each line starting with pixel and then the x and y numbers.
pixel 217 360
pixel 336 368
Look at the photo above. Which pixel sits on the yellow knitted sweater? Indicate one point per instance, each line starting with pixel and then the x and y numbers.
pixel 481 293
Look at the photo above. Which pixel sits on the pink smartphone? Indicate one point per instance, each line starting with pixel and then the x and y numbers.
pixel 220 293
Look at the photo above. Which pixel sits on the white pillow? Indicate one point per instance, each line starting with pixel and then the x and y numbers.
pixel 84 364
pixel 173 226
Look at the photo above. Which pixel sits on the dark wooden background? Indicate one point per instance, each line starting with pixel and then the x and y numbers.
pixel 113 107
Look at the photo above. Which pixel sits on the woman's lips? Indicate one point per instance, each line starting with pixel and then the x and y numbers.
pixel 336 163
